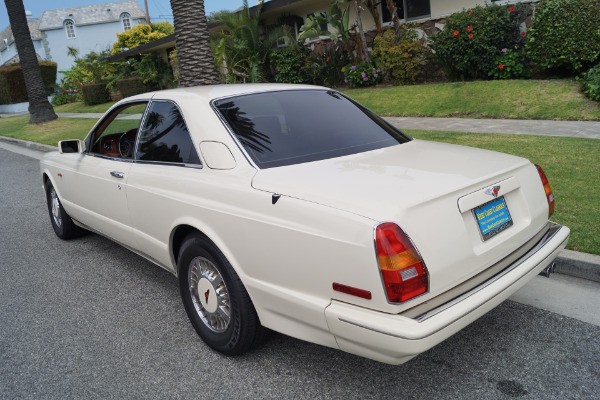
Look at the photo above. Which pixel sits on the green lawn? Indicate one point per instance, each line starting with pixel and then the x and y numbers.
pixel 570 164
pixel 518 99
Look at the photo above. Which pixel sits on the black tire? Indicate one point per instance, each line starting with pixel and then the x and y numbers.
pixel 63 225
pixel 215 299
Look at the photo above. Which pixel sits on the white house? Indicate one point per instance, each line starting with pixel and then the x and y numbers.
pixel 86 28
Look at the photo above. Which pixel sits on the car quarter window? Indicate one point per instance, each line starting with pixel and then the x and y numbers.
pixel 115 135
pixel 165 136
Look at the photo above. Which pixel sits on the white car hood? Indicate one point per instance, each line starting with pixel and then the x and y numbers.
pixel 377 184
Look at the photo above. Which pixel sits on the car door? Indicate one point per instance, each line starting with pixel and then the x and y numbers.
pixel 100 190
pixel 162 179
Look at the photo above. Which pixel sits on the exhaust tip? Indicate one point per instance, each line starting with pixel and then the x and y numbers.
pixel 548 270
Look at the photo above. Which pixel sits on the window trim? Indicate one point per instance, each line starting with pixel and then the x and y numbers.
pixel 69 23
pixel 139 136
pixel 126 17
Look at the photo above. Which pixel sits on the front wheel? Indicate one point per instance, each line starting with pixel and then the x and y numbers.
pixel 63 225
pixel 215 299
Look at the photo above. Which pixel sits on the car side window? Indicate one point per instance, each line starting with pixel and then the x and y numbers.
pixel 165 136
pixel 116 134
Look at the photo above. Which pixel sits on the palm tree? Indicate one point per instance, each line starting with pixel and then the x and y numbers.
pixel 40 109
pixel 196 61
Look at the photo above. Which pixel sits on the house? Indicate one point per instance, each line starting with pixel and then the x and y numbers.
pixel 85 28
pixel 427 14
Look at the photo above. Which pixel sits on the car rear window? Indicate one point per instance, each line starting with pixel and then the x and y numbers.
pixel 296 126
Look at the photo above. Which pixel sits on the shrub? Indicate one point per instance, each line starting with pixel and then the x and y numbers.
pixel 590 84
pixel 361 75
pixel 565 34
pixel 400 57
pixel 95 94
pixel 290 64
pixel 510 64
pixel 136 36
pixel 327 66
pixel 65 97
pixel 12 82
pixel 132 86
pixel 468 45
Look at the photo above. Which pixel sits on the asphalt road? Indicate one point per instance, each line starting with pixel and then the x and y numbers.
pixel 87 319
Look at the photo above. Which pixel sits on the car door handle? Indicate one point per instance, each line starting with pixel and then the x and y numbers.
pixel 117 174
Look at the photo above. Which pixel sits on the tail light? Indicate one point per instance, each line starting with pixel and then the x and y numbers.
pixel 548 190
pixel 402 268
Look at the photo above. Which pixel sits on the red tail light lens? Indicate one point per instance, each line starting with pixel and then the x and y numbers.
pixel 548 190
pixel 402 269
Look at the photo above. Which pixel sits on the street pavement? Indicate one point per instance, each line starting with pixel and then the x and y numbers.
pixel 89 319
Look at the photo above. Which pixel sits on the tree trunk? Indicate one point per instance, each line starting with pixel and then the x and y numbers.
pixel 391 5
pixel 40 109
pixel 363 41
pixel 196 61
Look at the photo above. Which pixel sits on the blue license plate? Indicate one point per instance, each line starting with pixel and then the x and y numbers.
pixel 492 217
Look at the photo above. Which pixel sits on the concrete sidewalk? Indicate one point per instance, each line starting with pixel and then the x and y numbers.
pixel 578 129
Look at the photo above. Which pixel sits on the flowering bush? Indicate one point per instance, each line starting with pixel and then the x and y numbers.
pixel 469 44
pixel 509 65
pixel 402 58
pixel 361 75
pixel 565 34
pixel 590 84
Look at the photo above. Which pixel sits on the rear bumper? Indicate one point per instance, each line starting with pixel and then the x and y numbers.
pixel 395 339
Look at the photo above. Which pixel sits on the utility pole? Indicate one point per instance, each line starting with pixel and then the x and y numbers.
pixel 147 14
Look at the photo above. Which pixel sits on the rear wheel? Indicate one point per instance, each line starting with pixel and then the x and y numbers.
pixel 63 225
pixel 215 299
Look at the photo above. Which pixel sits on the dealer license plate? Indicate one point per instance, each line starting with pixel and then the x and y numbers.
pixel 493 217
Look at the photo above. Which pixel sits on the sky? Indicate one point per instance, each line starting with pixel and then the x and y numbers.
pixel 160 10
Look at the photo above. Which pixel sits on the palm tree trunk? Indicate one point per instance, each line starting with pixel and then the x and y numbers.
pixel 196 61
pixel 40 109
pixel 361 32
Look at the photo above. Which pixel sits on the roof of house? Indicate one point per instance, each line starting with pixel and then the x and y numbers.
pixel 91 14
pixel 7 34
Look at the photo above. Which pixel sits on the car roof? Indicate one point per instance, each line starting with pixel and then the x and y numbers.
pixel 210 92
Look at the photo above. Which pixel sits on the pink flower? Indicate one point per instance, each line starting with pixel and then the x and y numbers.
pixel 365 79
pixel 455 33
pixel 504 50
pixel 469 28
pixel 470 36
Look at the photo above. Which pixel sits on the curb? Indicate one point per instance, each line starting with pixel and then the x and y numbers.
pixel 30 145
pixel 569 262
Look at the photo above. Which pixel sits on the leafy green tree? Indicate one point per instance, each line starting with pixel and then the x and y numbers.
pixel 136 36
pixel 241 48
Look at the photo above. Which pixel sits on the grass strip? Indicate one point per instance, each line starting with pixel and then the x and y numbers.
pixel 516 99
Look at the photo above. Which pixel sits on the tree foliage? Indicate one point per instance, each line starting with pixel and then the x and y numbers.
pixel 138 35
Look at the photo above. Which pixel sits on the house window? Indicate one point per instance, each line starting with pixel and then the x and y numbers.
pixel 126 20
pixel 70 29
pixel 407 10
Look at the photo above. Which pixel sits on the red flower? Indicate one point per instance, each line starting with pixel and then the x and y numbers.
pixel 470 36
pixel 470 12
pixel 477 18
pixel 523 34
pixel 455 33
pixel 501 66
pixel 469 28
pixel 511 9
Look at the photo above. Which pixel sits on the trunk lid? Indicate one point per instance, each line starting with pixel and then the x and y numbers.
pixel 430 190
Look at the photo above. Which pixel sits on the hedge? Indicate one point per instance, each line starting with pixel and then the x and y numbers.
pixel 95 94
pixel 12 82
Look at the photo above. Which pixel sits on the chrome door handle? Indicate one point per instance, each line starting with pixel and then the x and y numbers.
pixel 118 174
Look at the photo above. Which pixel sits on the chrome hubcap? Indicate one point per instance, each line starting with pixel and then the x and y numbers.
pixel 55 208
pixel 209 294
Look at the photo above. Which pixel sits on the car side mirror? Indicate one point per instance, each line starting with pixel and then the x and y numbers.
pixel 217 155
pixel 71 146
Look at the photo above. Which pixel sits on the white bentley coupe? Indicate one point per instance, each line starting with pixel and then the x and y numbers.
pixel 296 209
